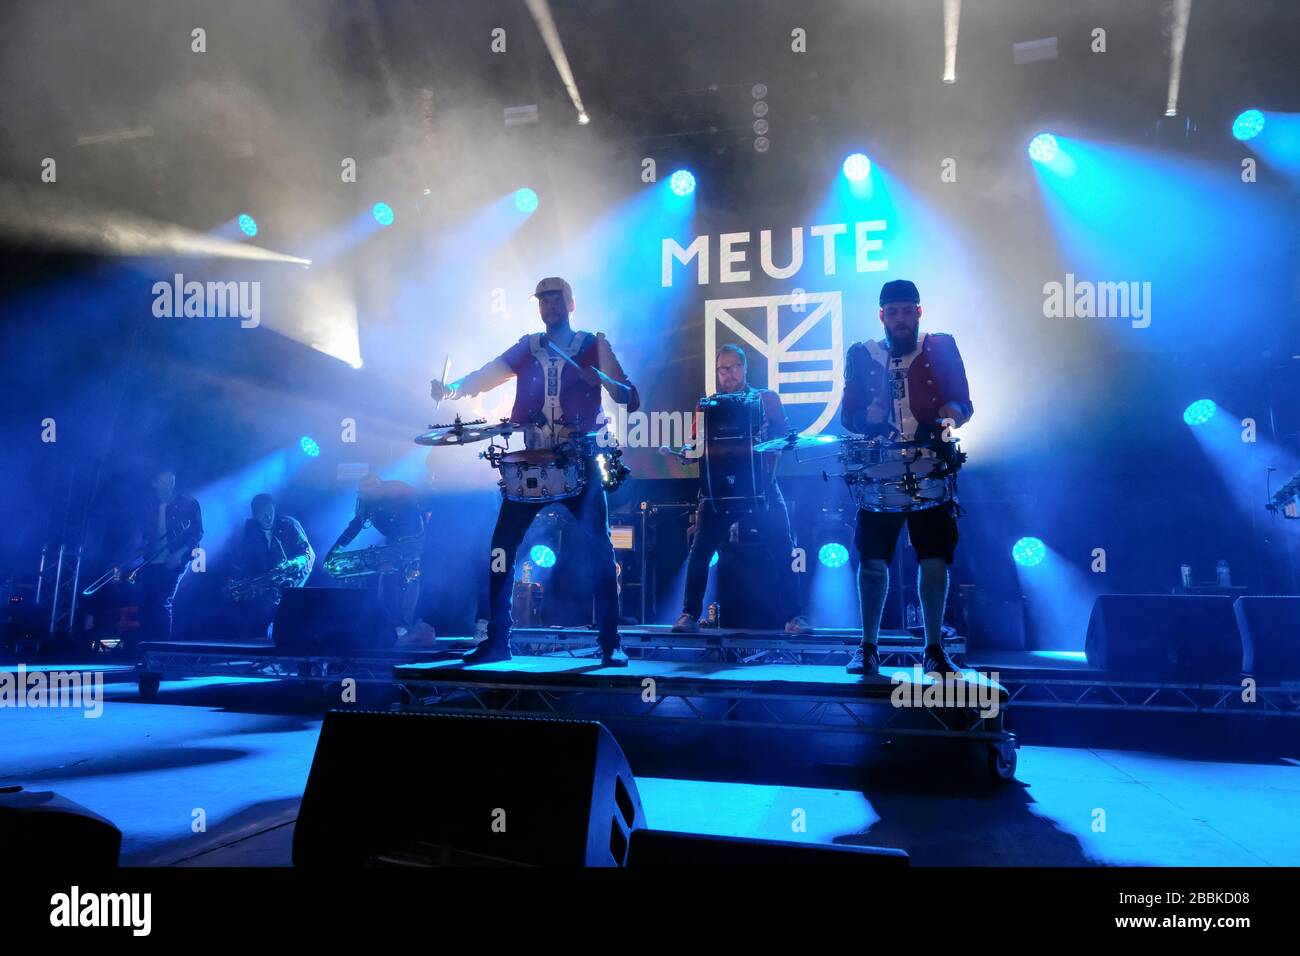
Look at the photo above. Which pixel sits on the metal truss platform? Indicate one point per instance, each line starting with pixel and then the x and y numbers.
pixel 801 697
pixel 825 646
pixel 174 659
pixel 1027 690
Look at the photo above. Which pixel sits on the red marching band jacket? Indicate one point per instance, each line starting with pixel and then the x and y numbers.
pixel 578 400
pixel 935 377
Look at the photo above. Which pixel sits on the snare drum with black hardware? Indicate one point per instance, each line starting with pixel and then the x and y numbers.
pixel 899 476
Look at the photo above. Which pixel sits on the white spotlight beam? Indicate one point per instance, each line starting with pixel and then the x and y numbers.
pixel 951 18
pixel 27 219
pixel 1181 13
pixel 541 11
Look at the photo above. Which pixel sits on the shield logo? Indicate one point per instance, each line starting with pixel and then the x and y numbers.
pixel 813 341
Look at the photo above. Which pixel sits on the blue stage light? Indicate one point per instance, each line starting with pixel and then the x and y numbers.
pixel 1248 125
pixel 1029 552
pixel 383 213
pixel 526 200
pixel 682 182
pixel 857 167
pixel 248 225
pixel 309 446
pixel 1199 412
pixel 833 555
pixel 713 560
pixel 542 556
pixel 1043 148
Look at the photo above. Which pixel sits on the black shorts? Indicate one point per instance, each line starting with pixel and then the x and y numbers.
pixel 933 533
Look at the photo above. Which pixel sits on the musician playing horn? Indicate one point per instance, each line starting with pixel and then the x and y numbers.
pixel 911 385
pixel 561 373
pixel 271 540
pixel 170 526
pixel 393 509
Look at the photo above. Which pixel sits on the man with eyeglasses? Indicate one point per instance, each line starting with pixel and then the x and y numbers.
pixel 771 518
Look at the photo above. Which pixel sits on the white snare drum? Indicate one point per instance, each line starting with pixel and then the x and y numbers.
pixel 539 475
pixel 898 476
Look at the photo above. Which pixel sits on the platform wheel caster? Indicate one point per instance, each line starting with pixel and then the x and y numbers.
pixel 148 686
pixel 1002 761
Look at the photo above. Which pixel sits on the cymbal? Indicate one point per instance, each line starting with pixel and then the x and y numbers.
pixel 796 442
pixel 465 433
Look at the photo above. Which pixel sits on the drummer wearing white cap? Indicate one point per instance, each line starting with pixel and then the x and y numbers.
pixel 561 374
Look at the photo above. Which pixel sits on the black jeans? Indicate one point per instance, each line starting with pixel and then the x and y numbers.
pixel 711 530
pixel 399 598
pixel 256 614
pixel 591 510
pixel 156 587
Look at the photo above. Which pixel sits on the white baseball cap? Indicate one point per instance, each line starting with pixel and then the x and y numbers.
pixel 555 284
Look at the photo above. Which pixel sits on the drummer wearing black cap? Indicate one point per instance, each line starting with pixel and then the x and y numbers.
pixel 909 385
pixel 560 375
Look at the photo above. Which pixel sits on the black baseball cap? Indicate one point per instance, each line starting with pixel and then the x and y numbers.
pixel 899 290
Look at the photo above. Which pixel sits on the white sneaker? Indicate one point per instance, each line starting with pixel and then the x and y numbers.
pixel 686 624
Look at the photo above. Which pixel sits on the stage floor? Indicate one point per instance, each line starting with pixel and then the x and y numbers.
pixel 150 766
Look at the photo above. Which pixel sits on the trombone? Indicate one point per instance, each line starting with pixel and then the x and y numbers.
pixel 115 573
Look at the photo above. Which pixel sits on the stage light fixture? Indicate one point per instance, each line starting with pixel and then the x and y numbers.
pixel 1029 552
pixel 383 213
pixel 309 446
pixel 1043 148
pixel 857 167
pixel 833 555
pixel 1199 412
pixel 682 182
pixel 542 556
pixel 1248 125
pixel 951 20
pixel 526 200
pixel 1180 14
pixel 247 225
pixel 583 119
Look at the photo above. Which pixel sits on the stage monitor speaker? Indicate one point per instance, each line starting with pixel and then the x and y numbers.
pixel 39 825
pixel 990 621
pixel 395 788
pixel 329 621
pixel 1270 636
pixel 663 848
pixel 1170 637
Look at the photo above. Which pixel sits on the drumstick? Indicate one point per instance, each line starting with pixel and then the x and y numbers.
pixel 446 370
pixel 564 355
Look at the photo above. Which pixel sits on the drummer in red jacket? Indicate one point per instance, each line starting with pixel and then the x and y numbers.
pixel 561 374
pixel 909 385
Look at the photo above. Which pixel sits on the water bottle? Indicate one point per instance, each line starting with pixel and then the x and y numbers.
pixel 1186 569
pixel 1223 573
